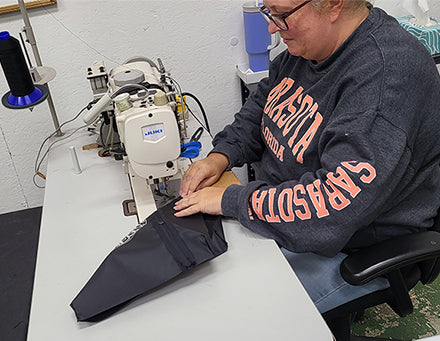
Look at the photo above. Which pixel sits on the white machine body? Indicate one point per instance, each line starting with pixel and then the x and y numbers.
pixel 151 140
pixel 148 128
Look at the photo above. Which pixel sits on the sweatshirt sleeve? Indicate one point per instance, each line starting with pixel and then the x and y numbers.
pixel 319 212
pixel 241 141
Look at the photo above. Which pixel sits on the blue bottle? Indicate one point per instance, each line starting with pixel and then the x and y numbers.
pixel 257 37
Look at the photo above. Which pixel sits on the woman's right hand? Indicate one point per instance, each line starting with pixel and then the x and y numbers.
pixel 203 173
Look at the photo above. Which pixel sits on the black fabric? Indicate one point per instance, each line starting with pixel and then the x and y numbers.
pixel 156 251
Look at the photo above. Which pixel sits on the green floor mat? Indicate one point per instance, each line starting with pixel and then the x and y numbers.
pixel 381 321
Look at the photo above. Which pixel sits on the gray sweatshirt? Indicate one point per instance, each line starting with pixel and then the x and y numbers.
pixel 348 149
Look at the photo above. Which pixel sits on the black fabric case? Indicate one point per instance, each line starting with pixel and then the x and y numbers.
pixel 156 251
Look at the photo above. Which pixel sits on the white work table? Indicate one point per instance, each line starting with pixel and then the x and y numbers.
pixel 248 293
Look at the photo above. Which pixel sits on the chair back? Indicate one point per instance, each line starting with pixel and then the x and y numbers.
pixel 431 268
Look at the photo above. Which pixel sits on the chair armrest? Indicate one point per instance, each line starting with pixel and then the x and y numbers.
pixel 377 260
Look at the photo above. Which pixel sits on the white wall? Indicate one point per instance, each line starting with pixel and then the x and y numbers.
pixel 191 37
pixel 395 7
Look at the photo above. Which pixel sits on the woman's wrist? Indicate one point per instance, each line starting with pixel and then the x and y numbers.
pixel 221 160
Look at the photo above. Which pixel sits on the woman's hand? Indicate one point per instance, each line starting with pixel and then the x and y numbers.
pixel 207 200
pixel 203 173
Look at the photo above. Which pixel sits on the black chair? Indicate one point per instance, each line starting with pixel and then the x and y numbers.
pixel 404 260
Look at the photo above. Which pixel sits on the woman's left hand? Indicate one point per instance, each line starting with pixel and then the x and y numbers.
pixel 207 200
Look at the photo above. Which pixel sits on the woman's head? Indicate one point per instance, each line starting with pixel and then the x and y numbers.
pixel 316 28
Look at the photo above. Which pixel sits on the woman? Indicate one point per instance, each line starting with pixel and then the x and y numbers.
pixel 346 129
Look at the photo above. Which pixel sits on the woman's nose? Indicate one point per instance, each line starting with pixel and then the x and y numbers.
pixel 273 28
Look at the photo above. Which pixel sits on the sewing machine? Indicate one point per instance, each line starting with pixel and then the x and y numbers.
pixel 141 102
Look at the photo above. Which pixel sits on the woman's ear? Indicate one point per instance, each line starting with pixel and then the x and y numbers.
pixel 334 8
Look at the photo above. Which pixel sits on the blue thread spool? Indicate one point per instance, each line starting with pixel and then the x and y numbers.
pixel 257 37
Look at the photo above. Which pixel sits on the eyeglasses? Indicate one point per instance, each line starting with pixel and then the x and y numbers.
pixel 280 19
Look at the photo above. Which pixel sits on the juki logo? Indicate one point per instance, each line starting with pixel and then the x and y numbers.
pixel 153 132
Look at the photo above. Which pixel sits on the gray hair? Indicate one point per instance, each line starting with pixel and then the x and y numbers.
pixel 353 5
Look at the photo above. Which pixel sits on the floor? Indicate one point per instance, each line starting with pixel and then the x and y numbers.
pixel 382 322
pixel 18 248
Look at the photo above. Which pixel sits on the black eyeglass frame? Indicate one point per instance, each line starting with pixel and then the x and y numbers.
pixel 266 13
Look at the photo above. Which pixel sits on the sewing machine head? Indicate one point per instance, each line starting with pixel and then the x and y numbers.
pixel 149 125
pixel 151 128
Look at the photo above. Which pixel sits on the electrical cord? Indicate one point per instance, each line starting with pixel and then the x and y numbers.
pixel 197 134
pixel 38 162
pixel 101 134
pixel 201 108
pixel 184 103
pixel 179 90
pixel 109 134
pixel 37 172
pixel 110 147
pixel 197 119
